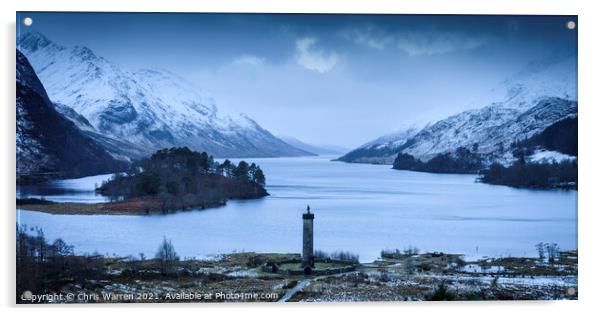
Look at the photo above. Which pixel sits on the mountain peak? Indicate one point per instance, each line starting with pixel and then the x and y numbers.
pixel 519 107
pixel 153 108
pixel 84 52
pixel 546 77
pixel 33 41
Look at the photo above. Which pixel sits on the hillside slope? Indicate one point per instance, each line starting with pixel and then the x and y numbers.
pixel 534 99
pixel 49 145
pixel 147 109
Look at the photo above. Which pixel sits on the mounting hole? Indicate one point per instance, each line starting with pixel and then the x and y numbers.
pixel 27 21
pixel 571 291
pixel 571 25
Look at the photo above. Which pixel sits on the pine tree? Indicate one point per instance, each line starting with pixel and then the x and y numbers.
pixel 260 177
pixel 241 172
pixel 227 168
pixel 253 172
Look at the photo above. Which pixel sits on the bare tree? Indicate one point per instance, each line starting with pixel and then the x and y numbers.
pixel 409 266
pixel 541 248
pixel 553 251
pixel 167 256
pixel 411 250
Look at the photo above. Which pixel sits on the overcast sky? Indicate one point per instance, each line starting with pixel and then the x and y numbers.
pixel 331 79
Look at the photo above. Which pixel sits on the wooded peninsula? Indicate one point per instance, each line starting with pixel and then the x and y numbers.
pixel 169 180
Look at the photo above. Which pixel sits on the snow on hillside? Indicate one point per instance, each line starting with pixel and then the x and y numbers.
pixel 396 138
pixel 382 150
pixel 30 153
pixel 151 108
pixel 492 129
pixel 48 144
pixel 543 94
pixel 551 78
pixel 549 156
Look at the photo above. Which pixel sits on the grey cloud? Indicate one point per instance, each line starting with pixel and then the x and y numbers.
pixel 415 42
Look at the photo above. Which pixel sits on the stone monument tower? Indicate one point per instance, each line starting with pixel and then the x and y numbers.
pixel 308 242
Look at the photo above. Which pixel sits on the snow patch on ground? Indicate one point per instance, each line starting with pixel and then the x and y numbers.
pixel 550 156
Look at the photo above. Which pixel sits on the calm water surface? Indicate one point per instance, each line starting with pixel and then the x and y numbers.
pixel 360 208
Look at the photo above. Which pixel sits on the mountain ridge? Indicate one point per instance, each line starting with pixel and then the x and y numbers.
pixel 532 100
pixel 49 145
pixel 148 109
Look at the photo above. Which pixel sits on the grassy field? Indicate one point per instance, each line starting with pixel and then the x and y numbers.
pixel 429 276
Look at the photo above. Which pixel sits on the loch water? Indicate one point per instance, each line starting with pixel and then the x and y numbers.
pixel 358 207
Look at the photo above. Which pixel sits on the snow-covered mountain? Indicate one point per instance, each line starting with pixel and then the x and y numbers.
pixel 541 95
pixel 384 149
pixel 139 111
pixel 49 145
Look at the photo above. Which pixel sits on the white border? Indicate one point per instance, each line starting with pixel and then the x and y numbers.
pixel 590 207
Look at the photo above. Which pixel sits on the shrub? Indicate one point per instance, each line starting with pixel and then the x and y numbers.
pixel 442 293
pixel 337 255
pixel 398 254
pixel 167 256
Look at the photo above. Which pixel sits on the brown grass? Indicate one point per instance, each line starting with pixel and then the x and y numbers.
pixel 134 206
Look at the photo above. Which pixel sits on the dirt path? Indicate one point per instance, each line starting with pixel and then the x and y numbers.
pixel 302 284
pixel 287 296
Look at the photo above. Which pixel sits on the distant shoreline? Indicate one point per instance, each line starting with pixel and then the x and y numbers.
pixel 134 206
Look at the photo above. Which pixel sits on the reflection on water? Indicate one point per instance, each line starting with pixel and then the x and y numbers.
pixel 79 190
pixel 360 208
